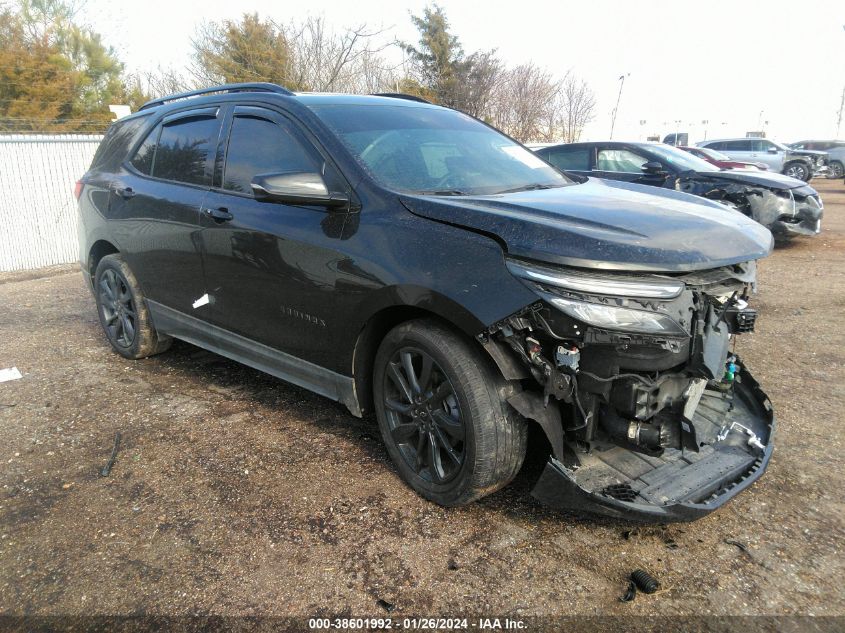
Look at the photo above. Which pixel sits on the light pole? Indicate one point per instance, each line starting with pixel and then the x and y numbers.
pixel 841 106
pixel 618 98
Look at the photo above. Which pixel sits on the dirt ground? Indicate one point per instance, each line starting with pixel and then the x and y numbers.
pixel 237 494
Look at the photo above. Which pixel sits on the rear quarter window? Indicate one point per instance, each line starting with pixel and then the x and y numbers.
pixel 116 143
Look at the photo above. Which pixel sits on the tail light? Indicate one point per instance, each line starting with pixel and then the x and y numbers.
pixel 77 189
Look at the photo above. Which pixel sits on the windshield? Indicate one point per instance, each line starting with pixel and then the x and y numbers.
pixel 436 151
pixel 680 159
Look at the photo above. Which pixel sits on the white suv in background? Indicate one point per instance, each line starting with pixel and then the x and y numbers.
pixel 778 157
pixel 835 149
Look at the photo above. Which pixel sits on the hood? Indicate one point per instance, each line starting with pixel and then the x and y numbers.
pixel 769 179
pixel 606 224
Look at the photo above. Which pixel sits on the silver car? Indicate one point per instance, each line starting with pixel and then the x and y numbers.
pixel 835 149
pixel 778 157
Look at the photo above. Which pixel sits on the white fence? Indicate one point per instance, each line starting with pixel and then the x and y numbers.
pixel 37 209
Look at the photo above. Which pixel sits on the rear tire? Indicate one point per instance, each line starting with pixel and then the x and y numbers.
pixel 837 169
pixel 443 414
pixel 123 311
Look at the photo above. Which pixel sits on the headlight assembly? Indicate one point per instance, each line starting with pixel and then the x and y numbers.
pixel 616 318
pixel 545 280
pixel 606 284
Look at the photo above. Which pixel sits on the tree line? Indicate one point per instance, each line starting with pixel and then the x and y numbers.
pixel 57 75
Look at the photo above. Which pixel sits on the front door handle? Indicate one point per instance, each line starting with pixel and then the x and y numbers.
pixel 219 215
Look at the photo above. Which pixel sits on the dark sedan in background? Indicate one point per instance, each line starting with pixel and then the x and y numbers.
pixel 785 205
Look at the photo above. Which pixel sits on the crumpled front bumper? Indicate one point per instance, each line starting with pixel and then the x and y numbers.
pixel 715 483
pixel 805 218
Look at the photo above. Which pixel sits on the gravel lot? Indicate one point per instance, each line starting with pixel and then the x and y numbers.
pixel 237 494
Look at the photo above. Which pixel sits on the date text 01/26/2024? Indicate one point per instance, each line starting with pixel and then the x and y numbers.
pixel 453 624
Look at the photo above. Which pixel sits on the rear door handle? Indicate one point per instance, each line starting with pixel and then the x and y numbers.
pixel 219 215
pixel 124 192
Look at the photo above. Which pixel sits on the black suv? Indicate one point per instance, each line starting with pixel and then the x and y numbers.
pixel 408 259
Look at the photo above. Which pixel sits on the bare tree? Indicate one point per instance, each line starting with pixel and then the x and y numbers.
pixel 522 101
pixel 305 55
pixel 325 60
pixel 577 107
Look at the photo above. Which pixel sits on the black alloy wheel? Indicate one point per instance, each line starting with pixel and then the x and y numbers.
pixel 118 308
pixel 424 416
pixel 443 414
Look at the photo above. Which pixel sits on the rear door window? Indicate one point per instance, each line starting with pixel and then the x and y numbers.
pixel 264 144
pixel 185 149
pixel 570 158
pixel 738 146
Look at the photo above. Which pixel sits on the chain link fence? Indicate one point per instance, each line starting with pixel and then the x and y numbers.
pixel 37 206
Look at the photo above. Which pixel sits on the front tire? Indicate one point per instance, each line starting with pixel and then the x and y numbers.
pixel 797 170
pixel 837 170
pixel 123 311
pixel 442 413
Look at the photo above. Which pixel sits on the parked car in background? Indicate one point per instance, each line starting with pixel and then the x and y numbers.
pixel 785 205
pixel 778 157
pixel 723 161
pixel 835 150
pixel 677 139
pixel 409 260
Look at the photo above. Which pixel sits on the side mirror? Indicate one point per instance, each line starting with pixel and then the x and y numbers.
pixel 296 188
pixel 773 150
pixel 653 168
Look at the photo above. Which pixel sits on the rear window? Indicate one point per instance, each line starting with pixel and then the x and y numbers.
pixel 116 143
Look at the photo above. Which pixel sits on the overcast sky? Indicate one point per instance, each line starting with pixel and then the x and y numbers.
pixel 735 64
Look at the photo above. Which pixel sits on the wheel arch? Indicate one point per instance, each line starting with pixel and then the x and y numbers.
pixel 98 250
pixel 386 317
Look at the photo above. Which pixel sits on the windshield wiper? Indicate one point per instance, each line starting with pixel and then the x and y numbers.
pixel 444 192
pixel 532 187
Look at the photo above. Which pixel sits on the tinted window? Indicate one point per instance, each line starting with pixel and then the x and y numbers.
pixel 737 146
pixel 762 145
pixel 434 150
pixel 258 146
pixel 116 143
pixel 574 158
pixel 143 159
pixel 621 160
pixel 184 150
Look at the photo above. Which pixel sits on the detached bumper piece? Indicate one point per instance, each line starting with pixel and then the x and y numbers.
pixel 734 430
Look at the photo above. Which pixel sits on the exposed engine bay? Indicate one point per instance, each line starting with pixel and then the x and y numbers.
pixel 634 380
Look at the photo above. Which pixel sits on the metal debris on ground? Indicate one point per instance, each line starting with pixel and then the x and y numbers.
pixel 10 373
pixel 107 468
pixel 387 606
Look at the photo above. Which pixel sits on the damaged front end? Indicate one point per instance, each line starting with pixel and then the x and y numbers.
pixel 649 413
pixel 785 212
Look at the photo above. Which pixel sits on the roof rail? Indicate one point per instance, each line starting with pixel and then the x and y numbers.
pixel 401 95
pixel 227 88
